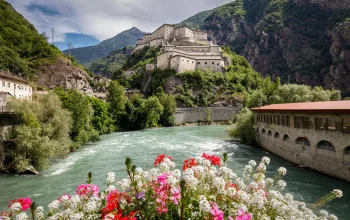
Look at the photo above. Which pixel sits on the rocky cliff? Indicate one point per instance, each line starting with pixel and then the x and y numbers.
pixel 302 41
pixel 63 73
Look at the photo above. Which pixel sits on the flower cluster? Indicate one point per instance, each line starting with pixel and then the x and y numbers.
pixel 206 189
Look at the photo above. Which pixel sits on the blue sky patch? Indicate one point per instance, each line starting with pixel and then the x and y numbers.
pixel 78 40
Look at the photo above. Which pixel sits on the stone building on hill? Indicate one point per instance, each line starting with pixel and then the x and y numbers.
pixel 183 49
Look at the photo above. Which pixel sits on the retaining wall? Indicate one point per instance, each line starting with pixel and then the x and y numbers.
pixel 214 114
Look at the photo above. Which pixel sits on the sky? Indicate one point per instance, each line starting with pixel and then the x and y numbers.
pixel 88 22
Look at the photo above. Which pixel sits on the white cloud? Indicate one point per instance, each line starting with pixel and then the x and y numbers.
pixel 106 18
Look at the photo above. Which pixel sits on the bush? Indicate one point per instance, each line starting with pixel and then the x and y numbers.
pixel 43 133
pixel 243 127
pixel 101 120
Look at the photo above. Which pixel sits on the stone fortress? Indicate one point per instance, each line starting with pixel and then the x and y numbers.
pixel 183 49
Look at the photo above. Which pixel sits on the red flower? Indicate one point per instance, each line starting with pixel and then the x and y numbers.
pixel 229 184
pixel 212 158
pixel 161 158
pixel 25 203
pixel 112 209
pixel 189 163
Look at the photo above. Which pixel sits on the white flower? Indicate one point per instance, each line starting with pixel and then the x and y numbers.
pixel 22 216
pixel 265 160
pixel 74 201
pixel 281 184
pixel 204 205
pixel 231 192
pixel 252 163
pixel 338 193
pixel 324 213
pixel 54 205
pixel 261 168
pixel 206 163
pixel 16 207
pixel 110 178
pixel 77 216
pixel 39 213
pixel 332 217
pixel 282 171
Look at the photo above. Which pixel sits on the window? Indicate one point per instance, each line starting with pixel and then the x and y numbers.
pixel 263 131
pixel 346 125
pixel 298 121
pixel 303 141
pixel 199 62
pixel 325 145
pixel 288 121
pixel 217 64
pixel 278 120
pixel 213 63
pixel 205 62
pixel 188 61
pixel 192 61
pixel 269 133
pixel 271 120
pixel 330 124
pixel 319 124
pixel 347 151
pixel 8 85
pixel 257 129
pixel 286 137
pixel 306 123
pixel 277 135
pixel 3 84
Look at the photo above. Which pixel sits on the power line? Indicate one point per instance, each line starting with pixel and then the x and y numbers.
pixel 53 31
pixel 70 46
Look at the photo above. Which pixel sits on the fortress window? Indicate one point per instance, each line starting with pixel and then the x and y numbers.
pixel 347 151
pixel 212 63
pixel 330 124
pixel 205 63
pixel 9 85
pixel 286 137
pixel 192 61
pixel 325 145
pixel 346 125
pixel 306 123
pixel 199 62
pixel 269 133
pixel 303 141
pixel 188 61
pixel 3 84
pixel 217 64
pixel 319 124
pixel 298 121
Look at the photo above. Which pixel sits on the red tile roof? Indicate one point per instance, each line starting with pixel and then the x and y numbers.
pixel 335 106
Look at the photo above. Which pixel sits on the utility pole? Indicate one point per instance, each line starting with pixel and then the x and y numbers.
pixel 53 31
pixel 70 46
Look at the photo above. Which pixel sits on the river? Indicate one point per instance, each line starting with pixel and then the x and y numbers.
pixel 143 146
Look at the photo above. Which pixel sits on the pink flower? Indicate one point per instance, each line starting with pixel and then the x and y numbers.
pixel 87 190
pixel 243 215
pixel 25 203
pixel 216 212
pixel 176 196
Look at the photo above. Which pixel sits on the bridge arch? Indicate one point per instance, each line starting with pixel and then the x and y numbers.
pixel 326 145
pixel 286 137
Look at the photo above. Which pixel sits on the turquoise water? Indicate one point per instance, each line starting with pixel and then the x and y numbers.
pixel 143 146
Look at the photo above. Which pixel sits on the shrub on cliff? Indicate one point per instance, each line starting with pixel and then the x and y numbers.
pixel 43 133
pixel 243 128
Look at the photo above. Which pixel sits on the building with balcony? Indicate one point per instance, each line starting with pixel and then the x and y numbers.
pixel 311 134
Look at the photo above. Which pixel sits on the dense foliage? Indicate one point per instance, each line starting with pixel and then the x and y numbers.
pixel 205 189
pixel 101 120
pixel 22 49
pixel 82 113
pixel 243 129
pixel 43 132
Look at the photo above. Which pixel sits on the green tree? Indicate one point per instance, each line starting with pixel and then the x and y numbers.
pixel 116 100
pixel 78 104
pixel 43 133
pixel 168 102
pixel 243 128
pixel 101 120
pixel 153 110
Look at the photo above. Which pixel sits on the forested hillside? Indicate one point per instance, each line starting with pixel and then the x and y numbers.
pixel 23 51
pixel 302 41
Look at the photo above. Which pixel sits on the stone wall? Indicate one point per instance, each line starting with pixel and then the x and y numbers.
pixel 215 114
pixel 284 142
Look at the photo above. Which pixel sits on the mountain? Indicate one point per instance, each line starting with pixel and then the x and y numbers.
pixel 108 65
pixel 301 41
pixel 23 51
pixel 86 55
pixel 195 21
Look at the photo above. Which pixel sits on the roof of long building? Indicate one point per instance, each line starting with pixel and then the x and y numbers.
pixel 326 106
pixel 9 76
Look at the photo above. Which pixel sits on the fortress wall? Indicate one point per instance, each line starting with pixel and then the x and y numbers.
pixel 215 114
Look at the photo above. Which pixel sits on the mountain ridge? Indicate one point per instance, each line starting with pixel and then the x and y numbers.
pixel 86 55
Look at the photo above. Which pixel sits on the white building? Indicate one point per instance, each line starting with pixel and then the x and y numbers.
pixel 183 49
pixel 13 86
